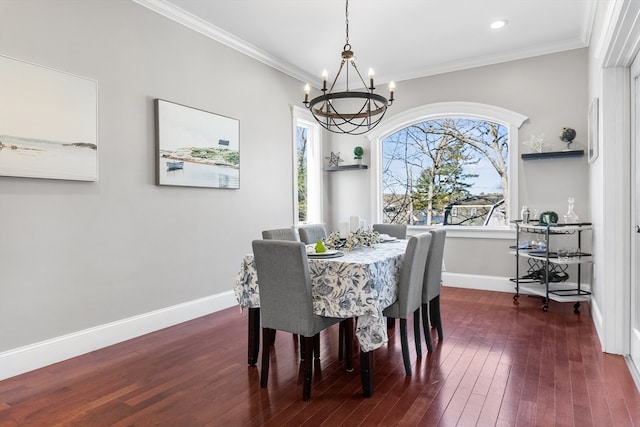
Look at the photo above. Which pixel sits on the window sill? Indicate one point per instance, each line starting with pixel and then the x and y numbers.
pixel 505 233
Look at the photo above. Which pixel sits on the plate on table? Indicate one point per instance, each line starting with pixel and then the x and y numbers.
pixel 330 253
pixel 387 238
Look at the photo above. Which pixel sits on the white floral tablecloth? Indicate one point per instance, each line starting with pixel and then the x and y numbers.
pixel 360 284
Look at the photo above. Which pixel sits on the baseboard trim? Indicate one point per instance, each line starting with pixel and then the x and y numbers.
pixel 34 356
pixel 474 281
pixel 635 374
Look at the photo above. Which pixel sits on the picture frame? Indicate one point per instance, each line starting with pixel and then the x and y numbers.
pixel 49 123
pixel 196 148
pixel 593 142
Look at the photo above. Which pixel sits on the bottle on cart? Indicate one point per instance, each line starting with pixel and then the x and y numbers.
pixel 571 217
pixel 525 214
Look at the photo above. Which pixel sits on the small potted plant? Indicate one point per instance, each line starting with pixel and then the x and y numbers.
pixel 357 154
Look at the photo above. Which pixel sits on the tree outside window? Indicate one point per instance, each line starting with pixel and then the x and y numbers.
pixel 302 138
pixel 451 171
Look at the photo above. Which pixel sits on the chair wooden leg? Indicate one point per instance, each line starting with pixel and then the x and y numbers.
pixel 308 367
pixel 348 343
pixel 253 341
pixel 416 332
pixel 341 339
pixel 405 346
pixel 425 327
pixel 316 346
pixel 367 372
pixel 436 319
pixel 267 341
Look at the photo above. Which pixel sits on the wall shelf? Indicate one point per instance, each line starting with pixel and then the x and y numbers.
pixel 345 168
pixel 553 154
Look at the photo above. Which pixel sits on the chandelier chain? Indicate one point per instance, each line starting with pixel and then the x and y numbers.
pixel 346 19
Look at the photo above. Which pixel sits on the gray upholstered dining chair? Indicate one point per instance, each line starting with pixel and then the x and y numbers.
pixel 289 234
pixel 410 292
pixel 431 288
pixel 393 230
pixel 281 234
pixel 311 233
pixel 286 302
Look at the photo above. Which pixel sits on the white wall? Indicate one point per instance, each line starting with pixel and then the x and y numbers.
pixel 77 255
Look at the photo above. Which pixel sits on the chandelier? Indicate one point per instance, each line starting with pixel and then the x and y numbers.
pixel 348 112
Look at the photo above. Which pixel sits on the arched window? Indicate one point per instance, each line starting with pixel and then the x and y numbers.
pixel 452 163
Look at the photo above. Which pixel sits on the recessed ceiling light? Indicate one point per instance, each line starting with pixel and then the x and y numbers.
pixel 498 24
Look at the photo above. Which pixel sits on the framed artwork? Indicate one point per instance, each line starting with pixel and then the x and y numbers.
pixel 196 148
pixel 592 148
pixel 48 123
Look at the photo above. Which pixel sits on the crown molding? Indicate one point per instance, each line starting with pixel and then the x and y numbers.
pixel 181 16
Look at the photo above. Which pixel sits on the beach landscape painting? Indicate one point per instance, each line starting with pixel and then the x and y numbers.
pixel 48 123
pixel 196 148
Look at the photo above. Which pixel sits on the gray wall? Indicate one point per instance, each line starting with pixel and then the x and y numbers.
pixel 550 90
pixel 77 254
pixel 74 255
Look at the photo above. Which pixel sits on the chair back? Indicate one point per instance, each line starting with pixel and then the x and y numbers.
pixel 311 233
pixel 433 270
pixel 393 230
pixel 412 274
pixel 286 302
pixel 280 234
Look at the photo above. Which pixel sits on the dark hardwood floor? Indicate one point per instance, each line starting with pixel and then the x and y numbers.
pixel 499 364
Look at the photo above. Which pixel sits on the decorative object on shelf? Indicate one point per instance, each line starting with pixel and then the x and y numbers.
pixel 350 112
pixel 524 215
pixel 567 135
pixel 571 217
pixel 357 154
pixel 361 237
pixel 535 144
pixel 334 159
pixel 548 217
pixel 592 150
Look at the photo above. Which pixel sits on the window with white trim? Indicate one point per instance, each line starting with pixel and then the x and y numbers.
pixel 447 164
pixel 307 168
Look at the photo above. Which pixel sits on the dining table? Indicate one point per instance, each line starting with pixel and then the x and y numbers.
pixel 357 283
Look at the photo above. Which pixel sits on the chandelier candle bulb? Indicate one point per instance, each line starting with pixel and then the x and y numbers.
pixel 307 90
pixel 371 79
pixel 392 87
pixel 325 77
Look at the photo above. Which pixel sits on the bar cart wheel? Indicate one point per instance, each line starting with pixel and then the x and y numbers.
pixel 576 308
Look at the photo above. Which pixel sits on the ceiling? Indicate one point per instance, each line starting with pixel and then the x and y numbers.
pixel 399 39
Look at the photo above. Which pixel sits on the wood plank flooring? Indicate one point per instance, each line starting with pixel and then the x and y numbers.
pixel 498 365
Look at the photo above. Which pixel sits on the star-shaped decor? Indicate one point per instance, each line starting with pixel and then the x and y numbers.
pixel 535 144
pixel 334 159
